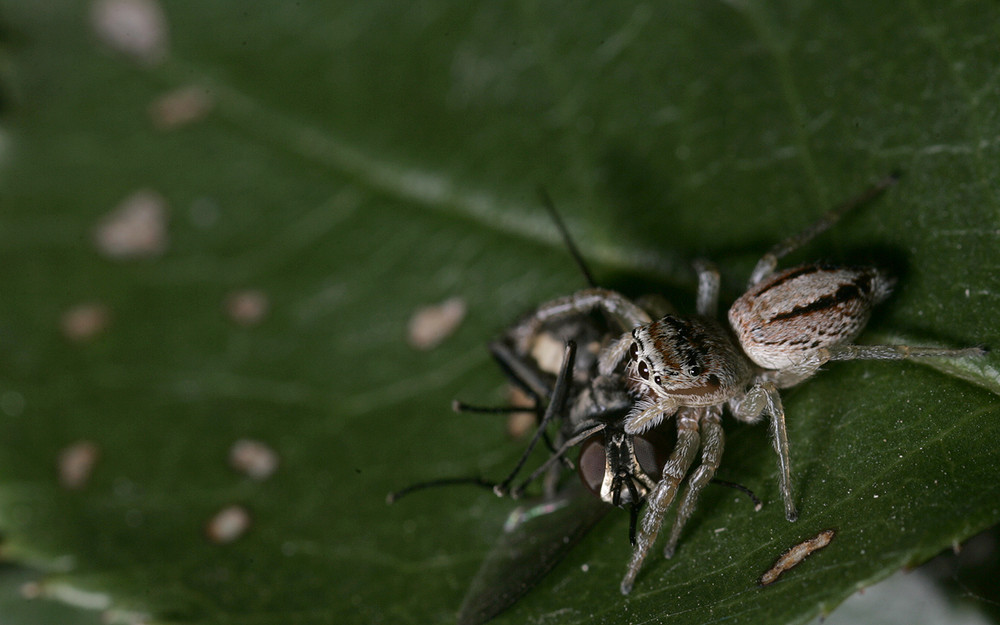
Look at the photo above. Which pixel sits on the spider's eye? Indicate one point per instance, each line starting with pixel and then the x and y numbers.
pixel 643 370
pixel 656 379
pixel 633 351
pixel 694 371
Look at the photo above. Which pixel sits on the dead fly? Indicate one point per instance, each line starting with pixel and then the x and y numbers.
pixel 781 331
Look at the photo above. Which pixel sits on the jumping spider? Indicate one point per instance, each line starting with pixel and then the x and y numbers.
pixel 781 331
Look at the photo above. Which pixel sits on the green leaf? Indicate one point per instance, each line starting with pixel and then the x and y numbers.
pixel 361 160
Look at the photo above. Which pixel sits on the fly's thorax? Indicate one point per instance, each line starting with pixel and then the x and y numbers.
pixel 693 361
pixel 790 316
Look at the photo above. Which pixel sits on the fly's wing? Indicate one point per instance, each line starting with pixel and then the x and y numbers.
pixel 535 539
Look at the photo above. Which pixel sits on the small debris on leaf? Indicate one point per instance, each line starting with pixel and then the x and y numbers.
pixel 431 325
pixel 796 555
pixel 247 308
pixel 180 107
pixel 253 458
pixel 76 464
pixel 136 228
pixel 135 28
pixel 86 321
pixel 30 590
pixel 228 524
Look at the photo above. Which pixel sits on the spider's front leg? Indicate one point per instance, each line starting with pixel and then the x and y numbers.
pixel 616 306
pixel 713 442
pixel 763 398
pixel 660 498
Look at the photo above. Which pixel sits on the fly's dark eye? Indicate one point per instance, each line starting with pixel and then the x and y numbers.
pixel 643 370
pixel 633 351
pixel 652 450
pixel 591 464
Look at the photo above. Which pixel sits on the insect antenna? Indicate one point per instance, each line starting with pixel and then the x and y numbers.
pixel 567 239
pixel 770 260
pixel 395 496
pixel 461 406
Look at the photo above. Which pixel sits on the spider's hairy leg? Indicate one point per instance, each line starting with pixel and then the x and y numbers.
pixel 767 264
pixel 647 414
pixel 708 288
pixel 619 308
pixel 659 500
pixel 713 441
pixel 613 354
pixel 763 398
pixel 898 352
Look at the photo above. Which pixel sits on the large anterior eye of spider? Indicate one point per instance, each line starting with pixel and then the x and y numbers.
pixel 591 463
pixel 643 370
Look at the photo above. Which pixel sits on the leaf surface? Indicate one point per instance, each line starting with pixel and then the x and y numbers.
pixel 362 160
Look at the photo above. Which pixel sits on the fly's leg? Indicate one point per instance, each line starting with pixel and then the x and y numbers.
pixel 765 266
pixel 584 432
pixel 557 406
pixel 660 498
pixel 527 377
pixel 713 441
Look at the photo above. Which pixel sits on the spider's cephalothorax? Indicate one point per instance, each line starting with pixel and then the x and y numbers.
pixel 782 330
pixel 681 362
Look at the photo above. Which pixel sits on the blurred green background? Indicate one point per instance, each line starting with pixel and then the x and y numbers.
pixel 349 163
